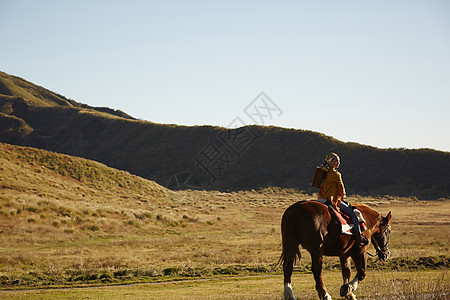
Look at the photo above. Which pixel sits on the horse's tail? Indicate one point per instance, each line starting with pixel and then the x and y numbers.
pixel 290 240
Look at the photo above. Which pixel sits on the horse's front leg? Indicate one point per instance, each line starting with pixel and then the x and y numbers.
pixel 348 288
pixel 346 272
pixel 345 268
pixel 317 261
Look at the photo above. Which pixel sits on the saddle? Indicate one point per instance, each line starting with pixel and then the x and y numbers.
pixel 343 220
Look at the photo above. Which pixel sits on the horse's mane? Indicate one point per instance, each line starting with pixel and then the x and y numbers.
pixel 360 204
pixel 369 213
pixel 364 206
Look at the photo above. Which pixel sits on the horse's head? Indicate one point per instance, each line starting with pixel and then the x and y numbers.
pixel 380 237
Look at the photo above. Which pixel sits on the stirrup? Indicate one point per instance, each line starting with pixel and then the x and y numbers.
pixel 363 241
pixel 360 238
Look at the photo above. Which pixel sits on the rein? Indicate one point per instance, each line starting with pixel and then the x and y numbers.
pixel 379 249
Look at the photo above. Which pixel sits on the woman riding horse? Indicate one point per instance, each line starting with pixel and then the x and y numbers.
pixel 333 190
pixel 309 224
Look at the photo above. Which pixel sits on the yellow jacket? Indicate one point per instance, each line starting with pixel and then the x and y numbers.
pixel 332 188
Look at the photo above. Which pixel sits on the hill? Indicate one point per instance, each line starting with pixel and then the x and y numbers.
pixel 208 157
pixel 57 190
pixel 14 89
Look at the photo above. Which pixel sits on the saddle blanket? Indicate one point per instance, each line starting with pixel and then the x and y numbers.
pixel 344 220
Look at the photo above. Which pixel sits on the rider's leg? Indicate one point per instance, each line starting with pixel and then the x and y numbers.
pixel 346 209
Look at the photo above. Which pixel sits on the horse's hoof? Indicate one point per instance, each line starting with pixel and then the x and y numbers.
pixel 289 297
pixel 345 290
pixel 351 296
pixel 287 293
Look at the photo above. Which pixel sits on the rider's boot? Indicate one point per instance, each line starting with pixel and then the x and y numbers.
pixel 360 238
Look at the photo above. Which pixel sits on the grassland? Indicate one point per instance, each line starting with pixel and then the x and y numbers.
pixel 71 222
pixel 378 285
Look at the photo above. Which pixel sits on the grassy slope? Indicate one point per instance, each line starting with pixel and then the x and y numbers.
pixel 16 89
pixel 34 95
pixel 67 220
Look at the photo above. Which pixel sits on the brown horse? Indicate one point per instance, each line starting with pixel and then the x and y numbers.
pixel 309 224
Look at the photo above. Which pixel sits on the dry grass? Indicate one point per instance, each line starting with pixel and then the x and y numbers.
pixel 409 286
pixel 69 221
pixel 398 285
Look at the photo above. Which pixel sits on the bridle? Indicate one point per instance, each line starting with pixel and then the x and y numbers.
pixel 383 249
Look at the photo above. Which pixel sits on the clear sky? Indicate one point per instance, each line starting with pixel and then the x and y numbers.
pixel 372 72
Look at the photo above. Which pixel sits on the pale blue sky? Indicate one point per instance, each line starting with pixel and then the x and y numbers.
pixel 372 72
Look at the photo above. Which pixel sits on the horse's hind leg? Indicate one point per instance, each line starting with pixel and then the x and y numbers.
pixel 317 261
pixel 288 267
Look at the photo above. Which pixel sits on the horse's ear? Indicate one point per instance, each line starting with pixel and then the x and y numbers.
pixel 387 219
